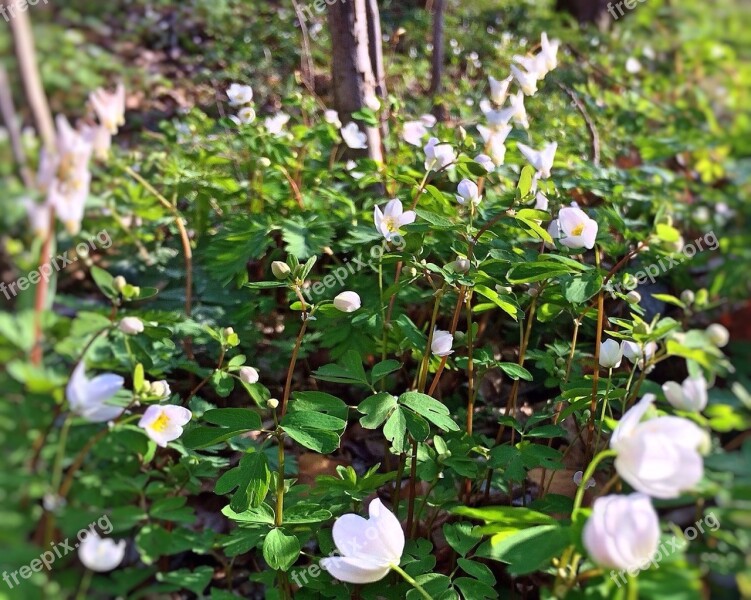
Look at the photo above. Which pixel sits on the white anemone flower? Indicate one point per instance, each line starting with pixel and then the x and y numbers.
pixel 239 94
pixel 527 80
pixel 88 397
pixel 332 118
pixel 275 124
pixel 542 160
pixel 441 343
pixel 164 424
pixel 577 229
pixel 100 554
pixel 690 396
pixel 368 547
pixel 549 51
pixel 347 302
pixel 468 191
pixel 109 107
pixel 438 155
pixel 392 218
pixel 611 354
pixel 660 456
pixel 499 89
pixel 353 137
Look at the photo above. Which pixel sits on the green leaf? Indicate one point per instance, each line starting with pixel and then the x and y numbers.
pixel 383 368
pixel 526 551
pixel 461 537
pixel 493 296
pixel 350 371
pixel 233 422
pixel 185 579
pixel 317 431
pixel 515 371
pixel 395 431
pixel 280 551
pixel 428 407
pixel 105 282
pixel 262 515
pixel 252 477
pixel 511 516
pixel 319 402
pixel 376 409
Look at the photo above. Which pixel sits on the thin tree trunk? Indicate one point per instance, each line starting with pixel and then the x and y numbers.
pixel 351 68
pixel 23 40
pixel 375 47
pixel 439 50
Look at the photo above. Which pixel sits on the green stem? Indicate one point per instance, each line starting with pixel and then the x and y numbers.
pixel 83 589
pixel 411 581
pixel 279 517
pixel 57 474
pixel 587 476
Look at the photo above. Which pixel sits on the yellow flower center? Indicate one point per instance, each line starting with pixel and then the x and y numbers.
pixel 161 422
pixel 390 224
pixel 578 229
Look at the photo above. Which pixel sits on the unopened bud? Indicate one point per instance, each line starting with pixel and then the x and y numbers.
pixel 633 297
pixel 688 297
pixel 280 269
pixel 272 403
pixel 119 283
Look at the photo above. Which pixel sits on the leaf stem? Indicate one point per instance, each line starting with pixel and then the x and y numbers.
pixel 411 581
pixel 587 476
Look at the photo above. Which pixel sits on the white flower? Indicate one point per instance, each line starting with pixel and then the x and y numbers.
pixel 347 302
pixel 353 137
pixel 131 325
pixel 249 375
pixel 109 108
pixel 352 169
pixel 622 532
pixel 497 150
pixel 549 52
pixel 274 125
pixel 438 155
pixel 160 389
pixel 442 342
pixel 527 80
pixel 467 191
pixel 164 424
pixel 332 117
pixel 485 162
pixel 499 89
pixel 428 120
pixel 579 475
pixel 239 94
pixel 245 116
pixel 498 119
pixel 100 139
pixel 392 218
pixel 611 354
pixel 533 65
pixel 541 160
pixel 494 135
pixel 633 352
pixel 660 456
pixel 88 397
pixel 413 132
pixel 368 547
pixel 718 335
pixel 689 396
pixel 541 201
pixel 38 215
pixel 576 228
pixel 518 112
pixel 100 555
pixel 633 65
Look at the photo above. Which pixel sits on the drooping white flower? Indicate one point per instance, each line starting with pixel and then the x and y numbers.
pixel 275 125
pixel 239 94
pixel 88 397
pixel 368 547
pixel 718 335
pixel 611 354
pixel 486 162
pixel 441 343
pixel 414 132
pixel 542 160
pixel 164 424
pixel 518 112
pixel 438 155
pixel 347 302
pixel 499 119
pixel 690 396
pixel 497 150
pixel 468 191
pixel 428 120
pixel 245 116
pixel 535 65
pixel 622 532
pixel 494 135
pixel 392 218
pixel 634 353
pixel 499 89
pixel 577 230
pixel 549 51
pixel 160 389
pixel 541 201
pixel 332 118
pixel 660 456
pixel 527 80
pixel 249 375
pixel 109 107
pixel 38 215
pixel 353 137
pixel 100 554
pixel 131 325
pixel 100 139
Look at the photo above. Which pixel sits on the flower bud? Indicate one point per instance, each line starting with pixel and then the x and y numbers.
pixel 280 269
pixel 131 325
pixel 460 265
pixel 718 334
pixel 272 403
pixel 688 297
pixel 633 297
pixel 249 375
pixel 228 331
pixel 347 302
pixel 119 283
pixel 160 388
pixel 264 162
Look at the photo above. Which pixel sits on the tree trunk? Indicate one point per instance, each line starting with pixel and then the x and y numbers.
pixel 439 51
pixel 588 11
pixel 353 69
pixel 23 39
